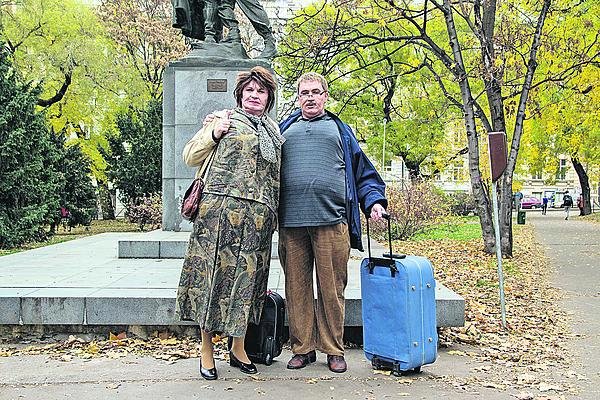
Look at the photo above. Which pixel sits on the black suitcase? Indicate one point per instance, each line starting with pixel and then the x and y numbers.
pixel 265 341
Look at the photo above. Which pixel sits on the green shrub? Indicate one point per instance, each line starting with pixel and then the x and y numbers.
pixel 29 183
pixel 461 203
pixel 134 159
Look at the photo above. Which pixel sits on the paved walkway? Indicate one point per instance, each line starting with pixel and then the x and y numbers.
pixel 574 248
pixel 36 377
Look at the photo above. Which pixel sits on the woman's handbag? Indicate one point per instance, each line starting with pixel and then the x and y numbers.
pixel 193 195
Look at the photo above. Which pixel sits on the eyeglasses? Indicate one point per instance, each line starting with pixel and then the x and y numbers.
pixel 305 94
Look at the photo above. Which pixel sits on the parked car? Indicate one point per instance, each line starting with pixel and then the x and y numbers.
pixel 531 202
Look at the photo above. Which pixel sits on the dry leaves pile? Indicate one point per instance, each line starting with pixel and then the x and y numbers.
pixel 531 352
pixel 162 345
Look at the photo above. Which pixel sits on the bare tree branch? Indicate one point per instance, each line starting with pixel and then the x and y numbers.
pixel 59 94
pixel 13 47
pixel 438 79
pixel 531 67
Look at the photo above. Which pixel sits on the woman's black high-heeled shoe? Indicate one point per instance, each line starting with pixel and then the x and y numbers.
pixel 245 368
pixel 208 374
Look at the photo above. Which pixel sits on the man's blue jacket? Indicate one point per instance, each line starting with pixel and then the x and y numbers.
pixel 364 186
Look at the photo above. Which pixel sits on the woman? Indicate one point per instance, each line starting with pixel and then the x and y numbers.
pixel 226 267
pixel 580 204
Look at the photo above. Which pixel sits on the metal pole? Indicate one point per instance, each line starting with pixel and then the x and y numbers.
pixel 498 253
pixel 383 151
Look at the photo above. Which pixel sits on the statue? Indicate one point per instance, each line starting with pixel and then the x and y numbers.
pixel 204 20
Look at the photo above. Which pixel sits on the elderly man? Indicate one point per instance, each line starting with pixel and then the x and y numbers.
pixel 325 178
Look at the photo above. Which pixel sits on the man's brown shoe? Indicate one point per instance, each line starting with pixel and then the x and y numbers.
pixel 336 363
pixel 302 360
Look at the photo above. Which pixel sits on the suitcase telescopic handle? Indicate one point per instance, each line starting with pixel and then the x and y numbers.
pixel 391 254
pixel 388 260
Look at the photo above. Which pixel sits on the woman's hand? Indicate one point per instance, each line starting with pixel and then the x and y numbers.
pixel 221 128
pixel 210 117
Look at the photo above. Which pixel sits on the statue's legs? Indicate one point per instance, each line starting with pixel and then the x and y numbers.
pixel 210 21
pixel 260 21
pixel 227 15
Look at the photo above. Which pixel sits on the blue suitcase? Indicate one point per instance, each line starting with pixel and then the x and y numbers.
pixel 398 310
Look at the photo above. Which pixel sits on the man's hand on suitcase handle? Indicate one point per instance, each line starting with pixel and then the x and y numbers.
pixel 378 212
pixel 391 255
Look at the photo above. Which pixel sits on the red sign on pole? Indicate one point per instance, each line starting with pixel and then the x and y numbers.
pixel 497 150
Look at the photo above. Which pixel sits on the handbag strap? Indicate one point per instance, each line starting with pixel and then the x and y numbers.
pixel 206 166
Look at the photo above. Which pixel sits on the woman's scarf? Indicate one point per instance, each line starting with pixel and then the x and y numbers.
pixel 269 139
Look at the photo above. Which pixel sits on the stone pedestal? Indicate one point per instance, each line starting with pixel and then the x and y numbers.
pixel 193 87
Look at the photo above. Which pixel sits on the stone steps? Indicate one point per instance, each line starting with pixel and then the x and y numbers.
pixel 85 282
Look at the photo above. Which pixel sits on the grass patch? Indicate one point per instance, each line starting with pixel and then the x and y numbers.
pixel 457 228
pixel 101 226
pixel 594 217
pixel 481 283
pixel 509 266
pixel 64 235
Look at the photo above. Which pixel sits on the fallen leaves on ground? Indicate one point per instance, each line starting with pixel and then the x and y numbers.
pixel 161 345
pixel 529 356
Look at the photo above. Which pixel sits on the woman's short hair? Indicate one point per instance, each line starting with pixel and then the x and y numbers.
pixel 261 76
pixel 312 77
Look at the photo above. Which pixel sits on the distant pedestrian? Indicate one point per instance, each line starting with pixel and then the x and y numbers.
pixel 518 197
pixel 580 204
pixel 544 205
pixel 65 217
pixel 567 203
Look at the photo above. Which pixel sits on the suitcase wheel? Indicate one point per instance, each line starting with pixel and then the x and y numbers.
pixel 394 367
pixel 398 372
pixel 268 359
pixel 269 348
pixel 376 363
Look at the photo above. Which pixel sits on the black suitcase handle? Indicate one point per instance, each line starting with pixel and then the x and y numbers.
pixel 389 258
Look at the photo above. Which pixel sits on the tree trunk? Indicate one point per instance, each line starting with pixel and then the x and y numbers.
pixel 480 192
pixel 505 214
pixel 506 187
pixel 413 167
pixel 108 210
pixel 492 77
pixel 414 171
pixel 584 181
